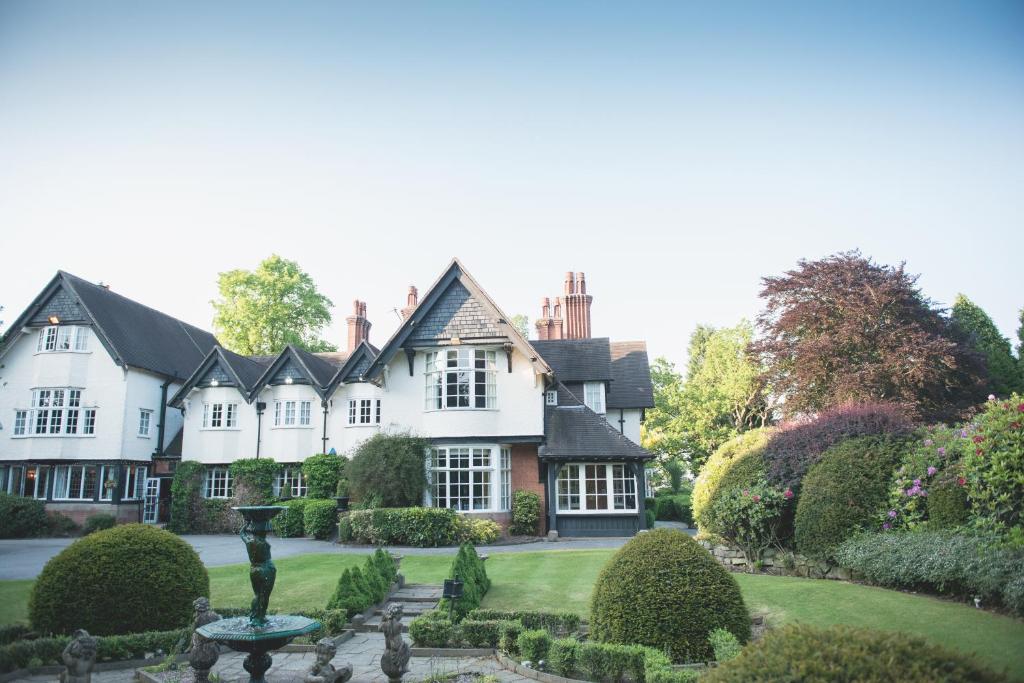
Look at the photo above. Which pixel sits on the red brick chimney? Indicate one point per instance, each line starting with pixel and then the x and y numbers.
pixel 358 325
pixel 574 305
pixel 411 302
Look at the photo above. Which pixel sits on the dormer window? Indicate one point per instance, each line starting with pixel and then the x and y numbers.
pixel 63 338
pixel 593 396
pixel 460 378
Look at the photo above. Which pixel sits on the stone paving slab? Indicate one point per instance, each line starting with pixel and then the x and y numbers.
pixel 417 593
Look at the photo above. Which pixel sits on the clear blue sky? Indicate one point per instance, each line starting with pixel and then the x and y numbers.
pixel 675 152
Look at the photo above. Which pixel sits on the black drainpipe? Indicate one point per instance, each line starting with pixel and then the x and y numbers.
pixel 622 421
pixel 260 407
pixel 323 403
pixel 163 418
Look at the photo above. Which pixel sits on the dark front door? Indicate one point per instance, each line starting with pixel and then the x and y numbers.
pixel 164 514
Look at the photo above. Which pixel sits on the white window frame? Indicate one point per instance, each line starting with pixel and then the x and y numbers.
pixel 107 473
pixel 446 370
pixel 222 412
pixel 145 422
pixel 480 468
pixel 137 475
pixel 292 412
pixel 62 475
pixel 63 339
pixel 217 483
pixel 363 412
pixel 593 396
pixel 39 472
pixel 619 486
pixel 291 480
pixel 551 397
pixel 53 412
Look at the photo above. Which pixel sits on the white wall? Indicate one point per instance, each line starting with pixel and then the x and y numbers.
pixel 630 426
pixel 143 391
pixel 218 445
pixel 104 386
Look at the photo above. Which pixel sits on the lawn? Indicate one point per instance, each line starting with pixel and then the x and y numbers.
pixel 563 579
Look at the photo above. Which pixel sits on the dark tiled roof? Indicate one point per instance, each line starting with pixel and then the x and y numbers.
pixel 631 376
pixel 573 431
pixel 577 360
pixel 249 369
pixel 321 369
pixel 137 335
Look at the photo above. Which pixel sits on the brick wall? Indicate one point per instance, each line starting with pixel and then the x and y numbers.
pixel 526 477
pixel 125 513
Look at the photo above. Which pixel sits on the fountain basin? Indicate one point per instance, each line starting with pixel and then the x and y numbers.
pixel 259 515
pixel 238 634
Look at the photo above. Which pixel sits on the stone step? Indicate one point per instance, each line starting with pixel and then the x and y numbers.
pixel 417 593
pixel 373 624
pixel 413 608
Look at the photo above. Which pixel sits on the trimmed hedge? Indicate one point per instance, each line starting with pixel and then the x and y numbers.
pixel 662 589
pixel 843 492
pixel 525 514
pixel 477 530
pixel 533 644
pixel 22 654
pixel 469 568
pixel 842 654
pixel 433 629
pixel 252 480
pixel 419 527
pixel 320 518
pixel 132 578
pixel 322 473
pixel 291 523
pixel 12 632
pixel 958 563
pixel 21 517
pixel 673 508
pixel 554 622
pixel 737 463
pixel 98 523
pixel 610 663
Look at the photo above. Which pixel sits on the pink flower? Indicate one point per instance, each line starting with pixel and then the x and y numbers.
pixel 788 494
pixel 978 439
pixel 942 450
pixel 756 498
pixel 928 442
pixel 979 452
pixel 1015 425
pixel 892 514
pixel 932 471
pixel 960 481
pixel 991 397
pixel 887 526
pixel 917 483
pixel 746 492
pixel 1020 408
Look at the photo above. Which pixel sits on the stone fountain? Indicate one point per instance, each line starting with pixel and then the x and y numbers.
pixel 258 634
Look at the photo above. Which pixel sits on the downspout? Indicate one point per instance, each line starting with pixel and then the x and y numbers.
pixel 323 404
pixel 163 418
pixel 622 421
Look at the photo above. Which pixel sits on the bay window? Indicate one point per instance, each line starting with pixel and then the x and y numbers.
pixel 63 338
pixel 593 487
pixel 292 413
pixel 55 411
pixel 460 378
pixel 220 415
pixel 218 483
pixel 74 482
pixel 364 411
pixel 290 482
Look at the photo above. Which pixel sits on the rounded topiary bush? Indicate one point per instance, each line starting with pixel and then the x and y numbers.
pixel 841 654
pixel 128 579
pixel 737 462
pixel 21 517
pixel 844 491
pixel 662 589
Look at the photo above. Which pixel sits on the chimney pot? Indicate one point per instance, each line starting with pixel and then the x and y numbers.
pixel 358 325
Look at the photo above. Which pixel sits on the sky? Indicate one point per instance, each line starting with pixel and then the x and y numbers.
pixel 675 152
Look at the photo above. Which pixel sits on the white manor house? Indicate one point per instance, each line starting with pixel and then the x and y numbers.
pixel 101 397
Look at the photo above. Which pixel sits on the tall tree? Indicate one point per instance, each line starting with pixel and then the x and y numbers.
pixel 661 431
pixel 1003 370
pixel 1020 343
pixel 261 311
pixel 521 323
pixel 847 329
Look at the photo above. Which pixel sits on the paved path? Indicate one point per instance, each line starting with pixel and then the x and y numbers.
pixel 25 558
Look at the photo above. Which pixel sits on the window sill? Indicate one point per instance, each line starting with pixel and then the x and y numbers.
pixel 220 429
pixel 53 436
pixel 350 426
pixel 55 351
pixel 143 436
pixel 460 410
pixel 309 426
pixel 597 512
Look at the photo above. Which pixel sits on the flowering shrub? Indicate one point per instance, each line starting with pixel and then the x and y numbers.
pixel 931 465
pixel 993 465
pixel 737 463
pixel 749 518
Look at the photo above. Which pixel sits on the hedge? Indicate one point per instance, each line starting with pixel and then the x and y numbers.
pixel 98 523
pixel 290 523
pixel 22 654
pixel 611 663
pixel 252 480
pixel 433 629
pixel 663 590
pixel 476 530
pixel 419 527
pixel 320 518
pixel 21 517
pixel 533 644
pixel 841 654
pixel 132 578
pixel 322 473
pixel 736 463
pixel 843 492
pixel 186 496
pixel 12 632
pixel 554 622
pixel 387 470
pixel 673 508
pixel 525 514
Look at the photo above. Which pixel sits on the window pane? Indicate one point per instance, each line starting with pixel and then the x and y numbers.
pixel 596 487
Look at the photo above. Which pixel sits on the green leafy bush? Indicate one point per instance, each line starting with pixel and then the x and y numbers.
pixel 432 629
pixel 469 568
pixel 994 467
pixel 420 527
pixel 675 470
pixel 930 461
pixel 322 473
pixel 348 597
pixel 665 591
pixel 476 530
pixel 957 563
pixel 345 534
pixel 385 565
pixel 563 655
pixel 658 669
pixel 320 518
pixel 21 517
pixel 389 469
pixel 186 496
pixel 508 640
pixel 736 464
pixel 131 578
pixel 22 654
pixel 843 491
pixel 480 633
pixel 525 514
pixel 841 654
pixel 649 519
pixel 673 508
pixel 533 644
pixel 948 506
pixel 290 523
pixel 60 525
pixel 12 632
pixel 611 662
pixel 556 623
pixel 252 480
pixel 751 517
pixel 724 644
pixel 98 523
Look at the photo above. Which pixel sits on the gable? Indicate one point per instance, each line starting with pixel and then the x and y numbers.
pixel 216 372
pixel 457 313
pixel 289 369
pixel 360 368
pixel 62 304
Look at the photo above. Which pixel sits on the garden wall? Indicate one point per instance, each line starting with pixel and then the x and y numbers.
pixel 778 562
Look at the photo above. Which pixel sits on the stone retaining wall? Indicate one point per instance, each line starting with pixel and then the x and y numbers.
pixel 779 562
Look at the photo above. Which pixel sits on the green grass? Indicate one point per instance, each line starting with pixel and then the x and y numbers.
pixel 563 580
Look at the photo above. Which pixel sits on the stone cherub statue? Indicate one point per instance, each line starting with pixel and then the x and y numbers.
pixel 323 671
pixel 262 571
pixel 204 652
pixel 79 657
pixel 395 660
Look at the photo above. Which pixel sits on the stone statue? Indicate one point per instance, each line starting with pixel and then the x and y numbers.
pixel 323 671
pixel 262 571
pixel 395 660
pixel 204 652
pixel 79 657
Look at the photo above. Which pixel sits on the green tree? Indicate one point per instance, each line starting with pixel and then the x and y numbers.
pixel 661 431
pixel 1020 343
pixel 521 323
pixel 1003 371
pixel 261 311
